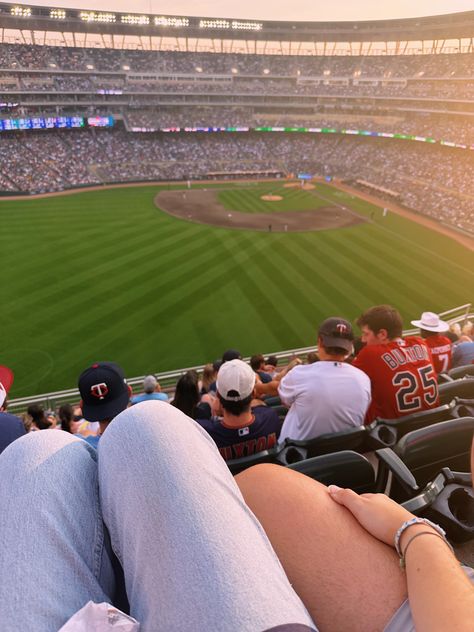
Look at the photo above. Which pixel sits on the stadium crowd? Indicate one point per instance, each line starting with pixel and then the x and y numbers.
pixel 48 161
pixel 54 83
pixel 28 57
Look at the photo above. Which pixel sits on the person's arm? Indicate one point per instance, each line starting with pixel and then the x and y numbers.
pixel 279 376
pixel 287 389
pixel 269 388
pixel 441 596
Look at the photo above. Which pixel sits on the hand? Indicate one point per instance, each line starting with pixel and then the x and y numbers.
pixel 377 513
pixel 293 363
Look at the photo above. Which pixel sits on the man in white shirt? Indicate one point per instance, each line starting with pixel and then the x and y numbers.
pixel 329 395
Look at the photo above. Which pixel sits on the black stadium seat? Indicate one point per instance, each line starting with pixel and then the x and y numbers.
pixel 356 439
pixel 266 456
pixel 425 452
pixel 458 388
pixel 448 500
pixel 461 371
pixel 390 431
pixel 345 468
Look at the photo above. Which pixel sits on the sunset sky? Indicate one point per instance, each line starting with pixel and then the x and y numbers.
pixel 276 9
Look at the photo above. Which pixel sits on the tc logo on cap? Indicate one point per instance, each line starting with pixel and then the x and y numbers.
pixel 341 328
pixel 99 390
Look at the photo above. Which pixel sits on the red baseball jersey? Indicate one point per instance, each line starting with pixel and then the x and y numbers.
pixel 441 350
pixel 402 376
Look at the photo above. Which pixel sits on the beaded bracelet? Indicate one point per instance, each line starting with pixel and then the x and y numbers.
pixel 411 522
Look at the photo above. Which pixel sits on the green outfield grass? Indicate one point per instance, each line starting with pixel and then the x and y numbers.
pixel 107 276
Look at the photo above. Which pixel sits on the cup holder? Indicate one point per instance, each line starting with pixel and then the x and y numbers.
pixel 292 455
pixel 386 435
pixel 461 505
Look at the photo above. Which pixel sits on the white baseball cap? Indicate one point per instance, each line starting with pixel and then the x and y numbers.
pixel 431 322
pixel 235 380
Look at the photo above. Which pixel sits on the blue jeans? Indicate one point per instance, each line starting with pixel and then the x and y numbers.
pixel 194 556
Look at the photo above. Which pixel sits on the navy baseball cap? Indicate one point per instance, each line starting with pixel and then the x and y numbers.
pixel 104 391
pixel 231 354
pixel 337 332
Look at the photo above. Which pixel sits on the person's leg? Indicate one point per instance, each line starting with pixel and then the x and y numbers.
pixel 347 579
pixel 194 556
pixel 52 558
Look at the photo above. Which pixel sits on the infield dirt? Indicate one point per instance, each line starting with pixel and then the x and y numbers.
pixel 203 206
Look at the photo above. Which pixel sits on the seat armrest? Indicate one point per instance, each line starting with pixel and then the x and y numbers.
pixel 390 461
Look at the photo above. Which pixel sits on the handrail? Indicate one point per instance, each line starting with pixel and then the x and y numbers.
pixel 168 379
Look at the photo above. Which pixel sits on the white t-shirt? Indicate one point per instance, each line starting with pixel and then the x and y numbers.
pixel 326 396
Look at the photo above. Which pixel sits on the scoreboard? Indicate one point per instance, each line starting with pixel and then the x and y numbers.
pixel 55 122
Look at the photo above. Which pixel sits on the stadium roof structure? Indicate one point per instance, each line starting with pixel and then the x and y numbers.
pixel 455 28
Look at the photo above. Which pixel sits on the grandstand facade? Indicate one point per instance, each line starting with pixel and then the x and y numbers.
pixel 93 97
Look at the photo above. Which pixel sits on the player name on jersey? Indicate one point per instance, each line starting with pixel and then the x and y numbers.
pixel 404 355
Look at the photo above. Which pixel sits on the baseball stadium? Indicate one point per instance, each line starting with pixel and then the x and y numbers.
pixel 180 191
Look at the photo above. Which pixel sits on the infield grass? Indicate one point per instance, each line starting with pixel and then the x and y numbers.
pixel 249 200
pixel 105 275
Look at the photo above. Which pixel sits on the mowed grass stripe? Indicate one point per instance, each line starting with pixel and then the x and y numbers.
pixel 427 242
pixel 115 326
pixel 273 295
pixel 412 279
pixel 183 295
pixel 388 277
pixel 331 263
pixel 330 273
pixel 412 262
pixel 301 257
pixel 83 275
pixel 113 258
pixel 134 281
pixel 415 282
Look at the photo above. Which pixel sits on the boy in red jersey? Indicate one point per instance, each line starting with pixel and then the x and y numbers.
pixel 401 370
pixel 440 346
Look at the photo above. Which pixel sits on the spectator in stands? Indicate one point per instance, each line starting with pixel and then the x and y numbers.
pixel 188 399
pixel 231 354
pixel 329 395
pixel 440 346
pixel 400 369
pixel 463 353
pixel 81 426
pixel 243 430
pixel 38 417
pixel 105 393
pixel 271 365
pixel 11 427
pixel 209 374
pixel 151 391
pixel 66 414
pixel 312 357
pixel 257 362
pixel 194 555
pixel 453 337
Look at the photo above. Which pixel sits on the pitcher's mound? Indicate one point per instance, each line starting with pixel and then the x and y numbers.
pixel 271 198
